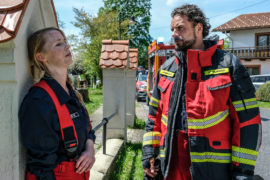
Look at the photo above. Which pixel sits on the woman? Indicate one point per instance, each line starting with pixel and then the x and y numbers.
pixel 55 149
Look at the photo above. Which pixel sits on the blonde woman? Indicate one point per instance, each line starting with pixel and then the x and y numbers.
pixel 54 123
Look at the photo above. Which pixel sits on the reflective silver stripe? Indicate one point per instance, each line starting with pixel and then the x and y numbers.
pixel 244 156
pixel 210 157
pixel 207 122
pixel 248 104
pixel 147 138
pixel 164 119
pixel 151 138
pixel 154 102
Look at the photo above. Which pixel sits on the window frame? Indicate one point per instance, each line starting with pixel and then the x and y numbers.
pixel 262 34
pixel 255 66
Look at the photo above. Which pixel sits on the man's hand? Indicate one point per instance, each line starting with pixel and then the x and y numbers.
pixel 152 172
pixel 87 158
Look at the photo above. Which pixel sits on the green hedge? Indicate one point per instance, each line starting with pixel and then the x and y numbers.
pixel 263 93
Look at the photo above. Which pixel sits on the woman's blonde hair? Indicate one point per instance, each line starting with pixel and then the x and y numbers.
pixel 35 44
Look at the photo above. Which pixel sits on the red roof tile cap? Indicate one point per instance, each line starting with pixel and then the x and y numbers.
pixel 10 4
pixel 107 41
pixel 133 50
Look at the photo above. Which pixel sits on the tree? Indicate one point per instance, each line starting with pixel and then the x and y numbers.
pixel 61 24
pixel 227 43
pixel 139 33
pixel 94 30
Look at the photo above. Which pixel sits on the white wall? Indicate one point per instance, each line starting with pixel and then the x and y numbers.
pixel 245 38
pixel 265 65
pixel 113 99
pixel 14 84
pixel 131 94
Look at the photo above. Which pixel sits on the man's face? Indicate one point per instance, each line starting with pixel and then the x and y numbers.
pixel 183 32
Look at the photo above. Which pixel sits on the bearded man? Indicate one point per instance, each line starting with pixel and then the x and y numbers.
pixel 204 121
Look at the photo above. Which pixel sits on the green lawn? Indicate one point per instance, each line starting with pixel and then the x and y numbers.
pixel 128 165
pixel 96 99
pixel 264 104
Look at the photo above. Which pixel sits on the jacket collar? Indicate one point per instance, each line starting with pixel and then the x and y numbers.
pixel 204 56
pixel 61 94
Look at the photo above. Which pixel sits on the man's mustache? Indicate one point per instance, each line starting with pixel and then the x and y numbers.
pixel 178 39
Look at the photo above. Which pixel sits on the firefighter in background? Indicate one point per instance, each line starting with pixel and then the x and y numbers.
pixel 204 121
pixel 54 123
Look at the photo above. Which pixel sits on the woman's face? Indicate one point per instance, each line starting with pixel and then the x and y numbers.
pixel 56 52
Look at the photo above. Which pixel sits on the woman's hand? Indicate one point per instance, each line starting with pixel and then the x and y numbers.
pixel 87 158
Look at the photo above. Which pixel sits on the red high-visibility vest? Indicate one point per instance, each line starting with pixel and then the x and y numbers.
pixel 64 170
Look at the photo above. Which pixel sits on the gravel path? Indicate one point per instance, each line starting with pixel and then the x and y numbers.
pixel 136 135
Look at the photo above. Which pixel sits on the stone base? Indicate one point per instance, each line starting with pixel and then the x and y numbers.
pixel 104 162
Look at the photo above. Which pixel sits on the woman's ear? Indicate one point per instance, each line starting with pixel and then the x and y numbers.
pixel 40 57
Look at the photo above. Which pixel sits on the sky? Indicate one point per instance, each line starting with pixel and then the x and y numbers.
pixel 218 12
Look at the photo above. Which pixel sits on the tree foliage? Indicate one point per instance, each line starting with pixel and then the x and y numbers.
pixel 139 33
pixel 94 30
pixel 104 25
pixel 226 43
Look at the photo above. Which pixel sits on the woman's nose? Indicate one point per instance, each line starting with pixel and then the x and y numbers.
pixel 67 46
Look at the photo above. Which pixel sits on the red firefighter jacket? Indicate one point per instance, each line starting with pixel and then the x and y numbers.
pixel 223 120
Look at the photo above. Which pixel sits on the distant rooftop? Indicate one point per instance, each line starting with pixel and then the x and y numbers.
pixel 246 21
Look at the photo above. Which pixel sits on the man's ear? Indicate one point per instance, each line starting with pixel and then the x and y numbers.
pixel 40 57
pixel 199 27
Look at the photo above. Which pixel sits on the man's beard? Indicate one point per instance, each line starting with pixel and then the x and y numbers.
pixel 185 44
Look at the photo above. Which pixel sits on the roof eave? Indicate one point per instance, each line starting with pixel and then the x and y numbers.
pixel 236 29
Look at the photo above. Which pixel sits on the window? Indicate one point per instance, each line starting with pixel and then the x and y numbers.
pixel 253 69
pixel 263 39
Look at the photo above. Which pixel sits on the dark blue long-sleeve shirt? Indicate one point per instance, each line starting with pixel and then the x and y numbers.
pixel 40 129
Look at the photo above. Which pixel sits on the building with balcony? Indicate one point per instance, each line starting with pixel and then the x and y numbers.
pixel 249 36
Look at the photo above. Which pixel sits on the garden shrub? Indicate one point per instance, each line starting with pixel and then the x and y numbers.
pixel 263 93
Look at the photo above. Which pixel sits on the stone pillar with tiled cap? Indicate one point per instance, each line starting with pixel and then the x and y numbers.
pixel 115 64
pixel 18 19
pixel 131 86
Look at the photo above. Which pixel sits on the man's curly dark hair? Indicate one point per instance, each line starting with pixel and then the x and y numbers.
pixel 194 14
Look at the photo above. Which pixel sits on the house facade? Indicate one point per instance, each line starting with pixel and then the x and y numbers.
pixel 249 36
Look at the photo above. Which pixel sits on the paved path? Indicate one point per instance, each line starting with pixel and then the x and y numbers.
pixel 262 169
pixel 141 110
pixel 96 118
pixel 136 135
pixel 133 135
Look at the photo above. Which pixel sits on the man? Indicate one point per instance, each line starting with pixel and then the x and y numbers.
pixel 204 121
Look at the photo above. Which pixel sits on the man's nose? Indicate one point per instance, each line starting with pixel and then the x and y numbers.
pixel 175 33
